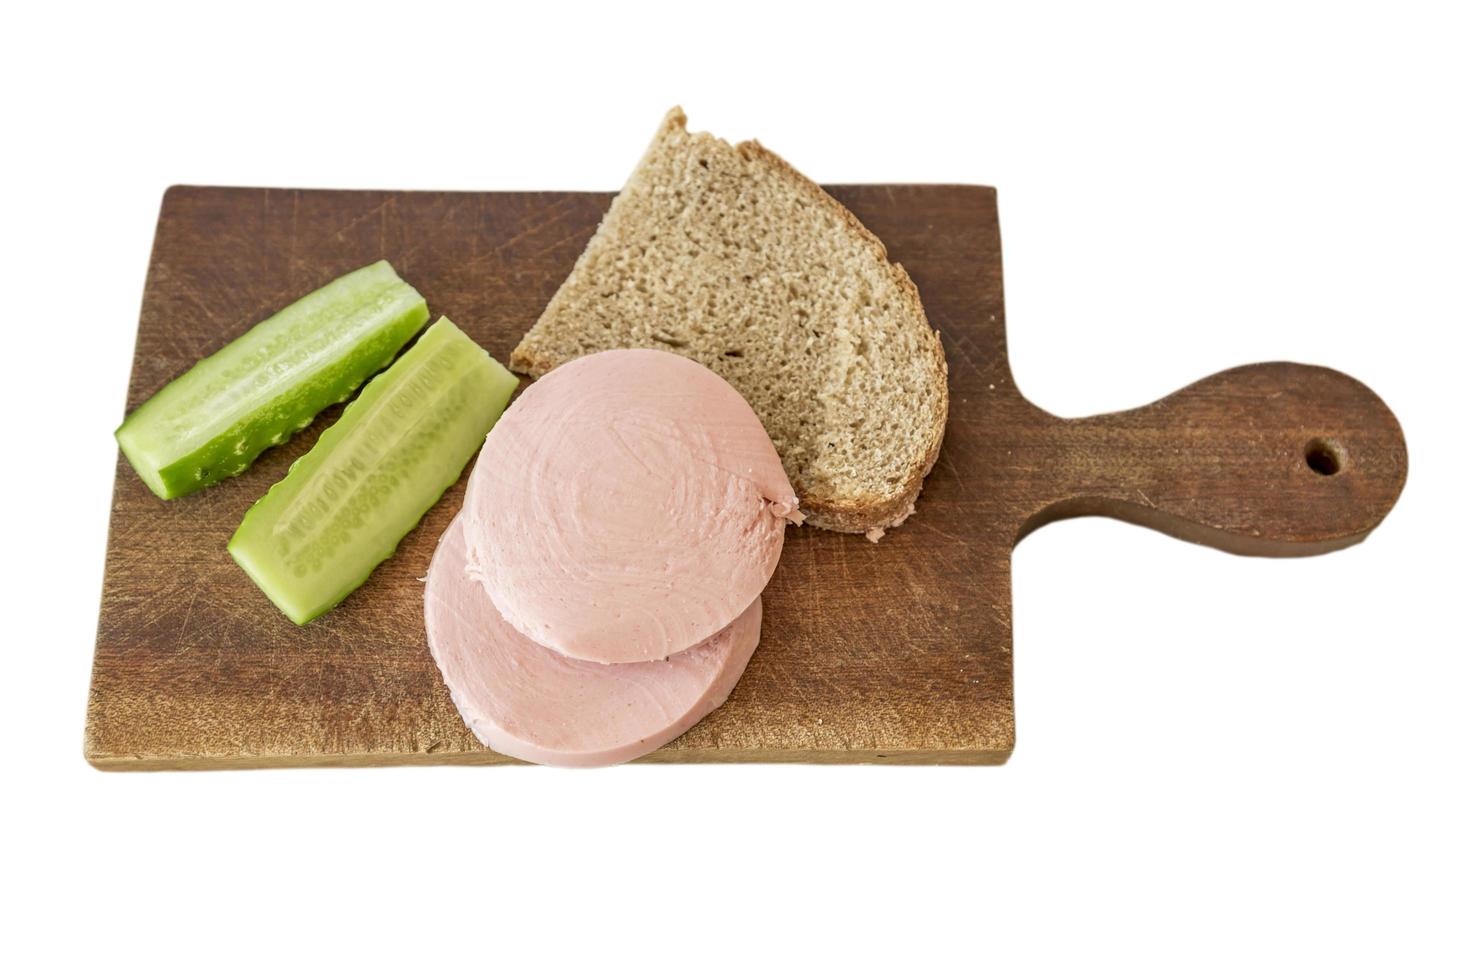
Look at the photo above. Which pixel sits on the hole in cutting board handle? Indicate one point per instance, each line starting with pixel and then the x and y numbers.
pixel 1324 457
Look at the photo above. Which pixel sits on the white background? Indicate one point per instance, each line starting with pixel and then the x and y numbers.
pixel 1225 766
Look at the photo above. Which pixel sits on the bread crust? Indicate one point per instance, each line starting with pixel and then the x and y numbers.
pixel 855 513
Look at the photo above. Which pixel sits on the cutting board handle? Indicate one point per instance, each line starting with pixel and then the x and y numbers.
pixel 1267 459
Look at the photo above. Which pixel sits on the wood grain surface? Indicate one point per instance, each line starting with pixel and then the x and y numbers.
pixel 895 652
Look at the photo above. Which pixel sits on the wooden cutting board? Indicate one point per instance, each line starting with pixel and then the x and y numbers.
pixel 894 652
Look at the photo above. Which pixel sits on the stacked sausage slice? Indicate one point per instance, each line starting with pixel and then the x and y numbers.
pixel 600 591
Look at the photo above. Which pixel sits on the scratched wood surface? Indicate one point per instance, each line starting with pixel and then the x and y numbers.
pixel 895 652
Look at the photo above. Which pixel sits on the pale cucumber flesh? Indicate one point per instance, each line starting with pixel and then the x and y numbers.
pixel 344 506
pixel 255 392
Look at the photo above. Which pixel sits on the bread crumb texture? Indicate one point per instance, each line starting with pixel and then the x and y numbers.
pixel 727 255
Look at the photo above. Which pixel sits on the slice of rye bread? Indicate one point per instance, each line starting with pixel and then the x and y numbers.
pixel 727 255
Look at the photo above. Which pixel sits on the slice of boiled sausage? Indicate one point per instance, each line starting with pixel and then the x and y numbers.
pixel 525 701
pixel 628 506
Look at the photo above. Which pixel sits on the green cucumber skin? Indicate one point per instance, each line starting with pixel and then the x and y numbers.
pixel 213 421
pixel 343 508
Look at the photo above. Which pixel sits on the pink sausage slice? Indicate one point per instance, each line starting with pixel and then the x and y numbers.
pixel 525 701
pixel 628 506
